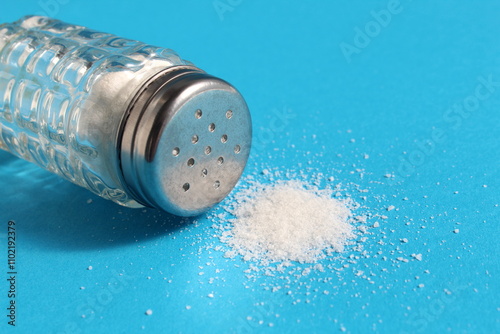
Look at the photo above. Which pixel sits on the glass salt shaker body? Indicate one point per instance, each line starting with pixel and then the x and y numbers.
pixel 131 122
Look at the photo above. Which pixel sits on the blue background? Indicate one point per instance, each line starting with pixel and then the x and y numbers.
pixel 392 96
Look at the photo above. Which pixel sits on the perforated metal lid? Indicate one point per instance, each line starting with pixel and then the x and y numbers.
pixel 185 142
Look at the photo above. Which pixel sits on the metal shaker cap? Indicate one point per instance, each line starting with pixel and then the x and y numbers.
pixel 185 141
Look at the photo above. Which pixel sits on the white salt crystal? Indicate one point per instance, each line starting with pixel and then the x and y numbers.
pixel 149 312
pixel 288 220
pixel 417 257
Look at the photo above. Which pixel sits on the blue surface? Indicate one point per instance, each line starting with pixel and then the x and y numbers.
pixel 390 93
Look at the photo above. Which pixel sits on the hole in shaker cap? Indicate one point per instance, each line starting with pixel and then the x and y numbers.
pixel 229 114
pixel 176 151
pixel 217 184
pixel 185 186
pixel 237 149
pixel 220 161
pixel 208 150
pixel 190 162
pixel 194 139
pixel 211 127
pixel 223 139
pixel 204 172
pixel 198 113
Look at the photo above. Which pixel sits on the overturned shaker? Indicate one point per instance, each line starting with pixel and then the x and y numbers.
pixel 131 122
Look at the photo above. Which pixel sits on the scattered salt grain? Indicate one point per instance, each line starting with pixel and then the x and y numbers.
pixel 89 268
pixel 149 312
pixel 456 231
pixel 417 257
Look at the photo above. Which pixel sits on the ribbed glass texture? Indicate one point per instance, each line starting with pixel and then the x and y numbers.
pixel 64 90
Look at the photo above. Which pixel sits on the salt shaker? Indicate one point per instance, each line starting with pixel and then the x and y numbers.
pixel 131 122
